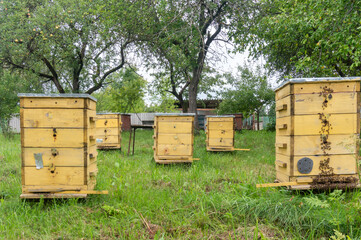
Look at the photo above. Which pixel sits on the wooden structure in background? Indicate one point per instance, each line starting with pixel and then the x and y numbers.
pixel 126 122
pixel 108 131
pixel 58 149
pixel 317 129
pixel 238 119
pixel 173 138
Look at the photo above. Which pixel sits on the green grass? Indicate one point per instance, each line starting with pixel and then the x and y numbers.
pixel 214 198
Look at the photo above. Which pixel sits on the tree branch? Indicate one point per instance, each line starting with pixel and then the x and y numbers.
pixel 55 75
pixel 106 74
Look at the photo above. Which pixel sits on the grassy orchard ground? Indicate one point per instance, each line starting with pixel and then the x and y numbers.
pixel 214 198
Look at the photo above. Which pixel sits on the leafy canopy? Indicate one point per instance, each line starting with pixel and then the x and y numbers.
pixel 124 95
pixel 75 45
pixel 10 86
pixel 307 38
pixel 249 93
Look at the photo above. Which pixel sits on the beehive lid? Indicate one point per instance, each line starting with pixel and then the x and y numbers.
pixel 220 116
pixel 108 113
pixel 316 80
pixel 176 114
pixel 53 95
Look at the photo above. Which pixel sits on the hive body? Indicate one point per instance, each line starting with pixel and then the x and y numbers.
pixel 173 138
pixel 108 130
pixel 220 133
pixel 317 129
pixel 57 143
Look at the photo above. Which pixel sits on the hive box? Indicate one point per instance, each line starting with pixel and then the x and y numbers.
pixel 173 138
pixel 220 133
pixel 108 130
pixel 58 149
pixel 317 132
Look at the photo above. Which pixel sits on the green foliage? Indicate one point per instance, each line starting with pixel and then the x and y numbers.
pixel 307 38
pixel 250 92
pixel 124 95
pixel 10 85
pixel 72 44
pixel 163 102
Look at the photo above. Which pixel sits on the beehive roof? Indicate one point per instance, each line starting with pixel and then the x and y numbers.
pixel 220 116
pixel 108 113
pixel 320 79
pixel 55 95
pixel 175 114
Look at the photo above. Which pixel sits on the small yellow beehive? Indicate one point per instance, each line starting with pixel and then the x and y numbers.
pixel 59 156
pixel 220 133
pixel 108 130
pixel 173 138
pixel 317 132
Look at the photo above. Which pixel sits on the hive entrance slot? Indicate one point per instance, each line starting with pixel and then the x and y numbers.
pixel 54 133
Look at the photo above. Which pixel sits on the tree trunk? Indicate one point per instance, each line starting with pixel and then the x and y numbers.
pixel 193 91
pixel 184 106
pixel 258 120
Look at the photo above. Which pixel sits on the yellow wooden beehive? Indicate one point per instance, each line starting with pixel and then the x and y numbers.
pixel 220 133
pixel 59 156
pixel 173 138
pixel 317 132
pixel 108 130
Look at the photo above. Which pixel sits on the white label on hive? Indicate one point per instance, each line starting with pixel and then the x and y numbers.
pixel 99 140
pixel 38 160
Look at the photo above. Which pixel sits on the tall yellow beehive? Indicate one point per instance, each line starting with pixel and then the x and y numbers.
pixel 220 133
pixel 173 138
pixel 58 145
pixel 108 130
pixel 317 132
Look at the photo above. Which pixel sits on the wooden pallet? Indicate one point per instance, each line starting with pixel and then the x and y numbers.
pixel 62 194
pixel 212 149
pixel 170 161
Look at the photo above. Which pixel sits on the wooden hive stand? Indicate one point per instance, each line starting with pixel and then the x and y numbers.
pixel 317 133
pixel 58 151
pixel 173 138
pixel 220 134
pixel 108 130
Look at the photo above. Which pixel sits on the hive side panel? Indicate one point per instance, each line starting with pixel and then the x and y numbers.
pixel 339 124
pixel 49 118
pixel 22 140
pixel 57 137
pixel 283 92
pixel 108 123
pixel 283 167
pixel 220 125
pixel 332 103
pixel 283 107
pixel 61 157
pixel 67 176
pixel 321 87
pixel 174 127
pixel 284 142
pixel 283 145
pixel 312 145
pixel 53 103
pixel 339 164
pixel 174 139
